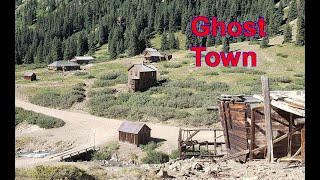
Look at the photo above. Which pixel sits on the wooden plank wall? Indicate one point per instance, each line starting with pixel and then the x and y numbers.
pixel 233 119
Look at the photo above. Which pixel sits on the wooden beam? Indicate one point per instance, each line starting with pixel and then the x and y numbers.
pixel 252 133
pixel 299 121
pixel 267 115
pixel 303 144
pixel 191 135
pixel 290 136
pixel 215 142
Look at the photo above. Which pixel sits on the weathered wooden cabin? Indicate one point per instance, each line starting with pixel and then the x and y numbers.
pixel 64 66
pixel 154 56
pixel 134 133
pixel 243 121
pixel 82 59
pixel 30 76
pixel 148 50
pixel 141 77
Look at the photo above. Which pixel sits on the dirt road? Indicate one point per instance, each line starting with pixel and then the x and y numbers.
pixel 82 129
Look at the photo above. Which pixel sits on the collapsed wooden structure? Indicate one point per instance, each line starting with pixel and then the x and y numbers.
pixel 189 146
pixel 244 127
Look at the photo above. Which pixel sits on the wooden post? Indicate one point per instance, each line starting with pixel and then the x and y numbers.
pixel 303 144
pixel 267 115
pixel 179 143
pixel 215 142
pixel 252 133
pixel 290 136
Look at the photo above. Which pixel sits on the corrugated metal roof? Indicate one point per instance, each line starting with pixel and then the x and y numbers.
pixel 29 74
pixel 130 127
pixel 153 53
pixel 63 63
pixel 83 58
pixel 144 67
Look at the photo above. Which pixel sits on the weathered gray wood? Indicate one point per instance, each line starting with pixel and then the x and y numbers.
pixel 299 121
pixel 290 136
pixel 215 142
pixel 252 133
pixel 267 115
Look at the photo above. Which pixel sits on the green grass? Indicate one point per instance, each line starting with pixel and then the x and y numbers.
pixel 41 120
pixel 106 152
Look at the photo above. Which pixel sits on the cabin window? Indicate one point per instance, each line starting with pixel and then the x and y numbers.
pixel 135 73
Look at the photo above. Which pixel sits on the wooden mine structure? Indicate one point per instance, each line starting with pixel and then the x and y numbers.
pixel 189 147
pixel 244 125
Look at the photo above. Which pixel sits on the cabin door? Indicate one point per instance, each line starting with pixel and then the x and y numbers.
pixel 135 84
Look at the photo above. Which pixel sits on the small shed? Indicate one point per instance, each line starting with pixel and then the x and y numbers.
pixel 82 59
pixel 141 77
pixel 134 133
pixel 30 76
pixel 153 56
pixel 64 66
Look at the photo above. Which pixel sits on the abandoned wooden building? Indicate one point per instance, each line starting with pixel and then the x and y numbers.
pixel 148 50
pixel 30 76
pixel 64 66
pixel 82 59
pixel 244 127
pixel 134 133
pixel 154 56
pixel 141 77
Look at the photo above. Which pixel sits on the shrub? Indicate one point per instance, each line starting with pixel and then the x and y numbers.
pixel 292 87
pixel 282 55
pixel 110 75
pixel 210 73
pixel 155 157
pixel 106 152
pixel 190 55
pixel 174 154
pixel 101 92
pixel 59 172
pixel 150 146
pixel 41 120
pixel 283 79
pixel 184 62
pixel 80 73
pixel 298 75
pixel 90 76
pixel 218 86
pixel 200 118
pixel 103 83
pixel 172 65
pixel 164 72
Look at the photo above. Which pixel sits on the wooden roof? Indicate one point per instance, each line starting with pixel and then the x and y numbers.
pixel 130 127
pixel 82 58
pixel 63 63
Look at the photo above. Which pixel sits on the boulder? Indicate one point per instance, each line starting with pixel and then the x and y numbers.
pixel 162 174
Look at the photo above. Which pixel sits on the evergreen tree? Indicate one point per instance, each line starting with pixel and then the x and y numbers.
pixel 293 12
pixel 56 51
pixel 300 38
pixel 264 42
pixel 164 42
pixel 91 44
pixel 39 55
pixel 276 20
pixel 190 38
pixel 17 56
pixel 82 44
pixel 171 41
pixel 225 45
pixel 210 41
pixel 287 33
pixel 67 54
pixel 103 34
pixel 134 42
pixel 29 57
pixel 177 43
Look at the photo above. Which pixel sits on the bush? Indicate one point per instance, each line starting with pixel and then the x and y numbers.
pixel 110 75
pixel 103 83
pixel 184 62
pixel 174 154
pixel 106 152
pixel 92 93
pixel 59 172
pixel 282 55
pixel 155 157
pixel 200 118
pixel 210 73
pixel 190 55
pixel 172 65
pixel 150 146
pixel 243 70
pixel 80 73
pixel 283 79
pixel 90 76
pixel 41 120
pixel 298 75
pixel 164 72
pixel 218 86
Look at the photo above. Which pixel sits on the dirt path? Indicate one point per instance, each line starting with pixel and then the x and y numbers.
pixel 81 128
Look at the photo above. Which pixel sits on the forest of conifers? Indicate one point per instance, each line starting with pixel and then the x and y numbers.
pixel 50 30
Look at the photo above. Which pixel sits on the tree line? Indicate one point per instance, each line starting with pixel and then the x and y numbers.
pixel 51 30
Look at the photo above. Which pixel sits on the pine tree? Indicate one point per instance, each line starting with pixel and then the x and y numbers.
pixel 225 45
pixel 82 44
pixel 103 34
pixel 56 50
pixel 134 42
pixel 264 42
pixel 276 20
pixel 29 57
pixel 287 33
pixel 91 44
pixel 293 12
pixel 300 38
pixel 210 41
pixel 177 43
pixel 17 56
pixel 190 38
pixel 171 41
pixel 38 58
pixel 164 41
